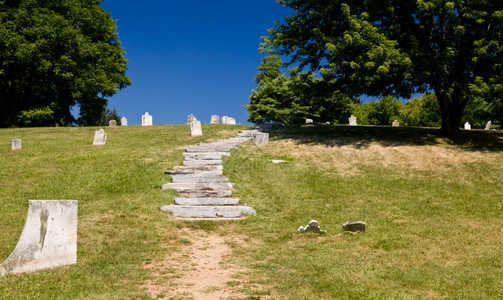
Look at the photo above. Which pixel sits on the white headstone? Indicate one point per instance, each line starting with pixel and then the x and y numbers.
pixel 195 127
pixel 48 239
pixel 231 121
pixel 215 119
pixel 15 144
pixel 468 126
pixel 488 125
pixel 261 138
pixel 309 121
pixel 328 123
pixel 394 124
pixel 123 121
pixel 146 120
pixel 352 120
pixel 112 124
pixel 100 138
pixel 228 120
pixel 190 118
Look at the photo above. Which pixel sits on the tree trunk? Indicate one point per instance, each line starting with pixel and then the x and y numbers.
pixel 451 110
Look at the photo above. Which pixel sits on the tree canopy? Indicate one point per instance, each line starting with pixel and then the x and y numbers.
pixel 55 54
pixel 292 98
pixel 399 47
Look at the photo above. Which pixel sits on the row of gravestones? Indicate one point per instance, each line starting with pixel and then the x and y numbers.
pixel 100 137
pixel 469 127
pixel 215 119
pixel 352 122
pixel 146 120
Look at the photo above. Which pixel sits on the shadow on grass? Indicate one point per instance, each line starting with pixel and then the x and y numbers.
pixel 363 136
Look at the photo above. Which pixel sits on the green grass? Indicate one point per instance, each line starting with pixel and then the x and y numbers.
pixel 120 225
pixel 433 208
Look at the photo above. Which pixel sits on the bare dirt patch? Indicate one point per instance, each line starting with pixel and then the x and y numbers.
pixel 200 269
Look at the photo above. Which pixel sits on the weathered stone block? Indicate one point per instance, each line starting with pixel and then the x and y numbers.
pixel 16 144
pixel 354 226
pixel 48 239
pixel 146 119
pixel 195 128
pixel 261 138
pixel 100 138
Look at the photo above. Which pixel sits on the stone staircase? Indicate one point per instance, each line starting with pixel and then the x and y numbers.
pixel 203 192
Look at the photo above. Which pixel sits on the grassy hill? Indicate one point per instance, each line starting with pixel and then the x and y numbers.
pixel 433 207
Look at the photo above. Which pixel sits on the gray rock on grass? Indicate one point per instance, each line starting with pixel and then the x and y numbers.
pixel 354 226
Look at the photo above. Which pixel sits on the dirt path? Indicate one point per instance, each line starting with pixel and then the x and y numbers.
pixel 201 270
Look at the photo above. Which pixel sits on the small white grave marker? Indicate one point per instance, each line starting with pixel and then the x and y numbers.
pixel 195 127
pixel 261 138
pixel 146 120
pixel 228 120
pixel 309 121
pixel 215 119
pixel 352 120
pixel 16 144
pixel 395 124
pixel 123 121
pixel 100 138
pixel 468 126
pixel 488 125
pixel 112 124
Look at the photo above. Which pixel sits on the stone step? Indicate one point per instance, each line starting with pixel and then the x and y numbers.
pixel 204 193
pixel 218 168
pixel 193 173
pixel 205 162
pixel 217 147
pixel 194 178
pixel 184 186
pixel 247 133
pixel 205 155
pixel 206 201
pixel 208 211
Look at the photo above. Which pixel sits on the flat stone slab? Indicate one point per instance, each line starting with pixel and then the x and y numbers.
pixel 202 162
pixel 204 193
pixel 197 186
pixel 219 147
pixel 198 168
pixel 195 178
pixel 206 201
pixel 205 155
pixel 48 239
pixel 208 211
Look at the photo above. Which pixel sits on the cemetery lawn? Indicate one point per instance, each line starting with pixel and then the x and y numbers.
pixel 433 208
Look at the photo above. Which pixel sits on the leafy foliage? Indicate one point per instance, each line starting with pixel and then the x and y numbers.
pixel 394 47
pixel 60 52
pixel 382 112
pixel 294 97
pixel 36 117
pixel 421 112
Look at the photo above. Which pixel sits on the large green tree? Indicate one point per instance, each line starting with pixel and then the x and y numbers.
pixel 399 47
pixel 55 54
pixel 292 98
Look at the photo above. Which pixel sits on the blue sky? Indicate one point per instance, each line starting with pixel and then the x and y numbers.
pixel 186 57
